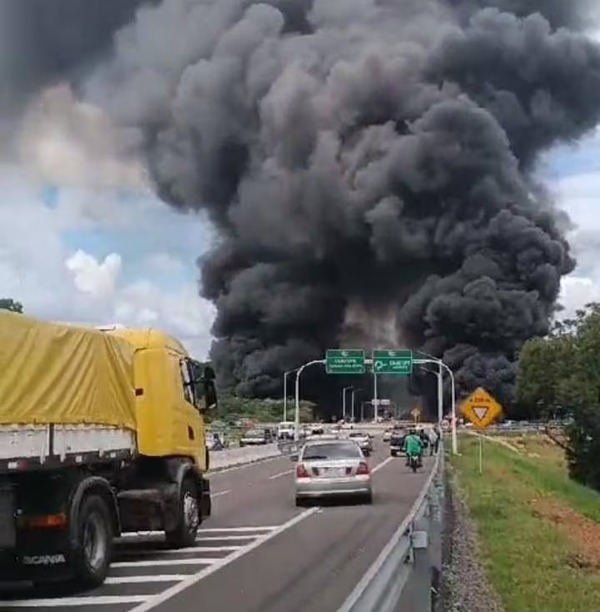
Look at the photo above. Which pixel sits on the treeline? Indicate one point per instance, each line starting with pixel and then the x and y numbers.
pixel 11 305
pixel 559 377
pixel 232 409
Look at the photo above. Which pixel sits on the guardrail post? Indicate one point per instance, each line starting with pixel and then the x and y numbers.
pixel 417 592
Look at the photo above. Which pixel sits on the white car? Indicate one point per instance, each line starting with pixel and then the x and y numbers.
pixel 332 468
pixel 387 435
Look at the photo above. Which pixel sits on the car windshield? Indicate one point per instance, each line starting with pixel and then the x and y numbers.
pixel 255 433
pixel 315 452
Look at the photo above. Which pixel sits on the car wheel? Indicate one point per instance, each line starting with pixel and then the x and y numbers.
pixel 394 454
pixel 92 556
pixel 300 502
pixel 368 499
pixel 186 530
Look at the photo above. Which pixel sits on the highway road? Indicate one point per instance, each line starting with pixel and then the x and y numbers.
pixel 258 553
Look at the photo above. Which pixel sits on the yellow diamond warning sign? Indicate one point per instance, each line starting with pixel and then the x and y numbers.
pixel 481 408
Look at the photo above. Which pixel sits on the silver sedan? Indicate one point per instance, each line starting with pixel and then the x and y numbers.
pixel 332 468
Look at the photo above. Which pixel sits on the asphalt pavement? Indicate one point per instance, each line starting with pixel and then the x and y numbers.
pixel 257 553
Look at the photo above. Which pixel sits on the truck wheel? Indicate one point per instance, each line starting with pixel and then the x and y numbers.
pixel 186 530
pixel 92 557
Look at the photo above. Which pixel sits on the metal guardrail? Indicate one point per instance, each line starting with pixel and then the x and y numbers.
pixel 411 560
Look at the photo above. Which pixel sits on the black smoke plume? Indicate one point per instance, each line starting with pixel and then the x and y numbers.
pixel 360 156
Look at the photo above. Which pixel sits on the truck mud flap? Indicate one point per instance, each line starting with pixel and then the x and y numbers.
pixel 8 521
pixel 205 500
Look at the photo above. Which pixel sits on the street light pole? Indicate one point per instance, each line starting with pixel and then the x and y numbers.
pixel 441 365
pixel 353 394
pixel 285 375
pixel 344 400
pixel 440 391
pixel 297 414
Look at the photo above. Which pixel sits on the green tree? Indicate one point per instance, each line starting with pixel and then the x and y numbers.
pixel 10 304
pixel 233 408
pixel 560 374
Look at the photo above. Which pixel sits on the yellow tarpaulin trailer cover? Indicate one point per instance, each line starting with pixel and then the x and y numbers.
pixel 60 374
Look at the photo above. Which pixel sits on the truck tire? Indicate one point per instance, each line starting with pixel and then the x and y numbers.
pixel 188 520
pixel 91 559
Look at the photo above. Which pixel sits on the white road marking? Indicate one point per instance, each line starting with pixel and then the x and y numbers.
pixel 380 465
pixel 238 529
pixel 219 493
pixel 145 579
pixel 220 563
pixel 155 562
pixel 178 551
pixel 138 534
pixel 59 602
pixel 226 538
pixel 280 474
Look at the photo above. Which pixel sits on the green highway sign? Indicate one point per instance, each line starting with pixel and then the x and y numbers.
pixel 393 362
pixel 345 361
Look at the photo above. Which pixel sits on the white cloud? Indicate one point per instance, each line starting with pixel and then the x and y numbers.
pixel 164 263
pixel 576 292
pixel 579 195
pixel 53 262
pixel 69 143
pixel 98 279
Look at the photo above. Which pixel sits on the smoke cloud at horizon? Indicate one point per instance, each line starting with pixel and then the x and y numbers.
pixel 368 165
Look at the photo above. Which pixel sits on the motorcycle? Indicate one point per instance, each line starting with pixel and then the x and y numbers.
pixel 414 463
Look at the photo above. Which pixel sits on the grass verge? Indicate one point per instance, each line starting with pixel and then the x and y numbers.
pixel 539 531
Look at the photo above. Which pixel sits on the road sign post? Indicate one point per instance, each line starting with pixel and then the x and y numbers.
pixel 481 409
pixel 392 362
pixel 345 361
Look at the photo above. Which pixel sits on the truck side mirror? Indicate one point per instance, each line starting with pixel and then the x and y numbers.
pixel 210 394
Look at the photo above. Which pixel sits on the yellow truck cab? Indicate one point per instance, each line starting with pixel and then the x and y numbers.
pixel 101 432
pixel 169 406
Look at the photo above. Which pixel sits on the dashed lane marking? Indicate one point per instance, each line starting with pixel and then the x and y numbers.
pixel 280 474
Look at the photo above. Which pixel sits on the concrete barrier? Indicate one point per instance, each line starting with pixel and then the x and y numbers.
pixel 231 457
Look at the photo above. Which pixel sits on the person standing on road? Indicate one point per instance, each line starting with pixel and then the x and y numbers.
pixel 434 440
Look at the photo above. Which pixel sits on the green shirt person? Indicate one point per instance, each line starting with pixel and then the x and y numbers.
pixel 413 445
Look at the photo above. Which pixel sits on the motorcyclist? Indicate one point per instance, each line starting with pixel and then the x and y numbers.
pixel 413 446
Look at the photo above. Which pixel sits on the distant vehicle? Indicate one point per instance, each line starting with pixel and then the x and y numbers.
pixel 387 435
pixel 255 437
pixel 397 443
pixel 332 468
pixel 363 440
pixel 325 436
pixel 316 431
pixel 286 430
